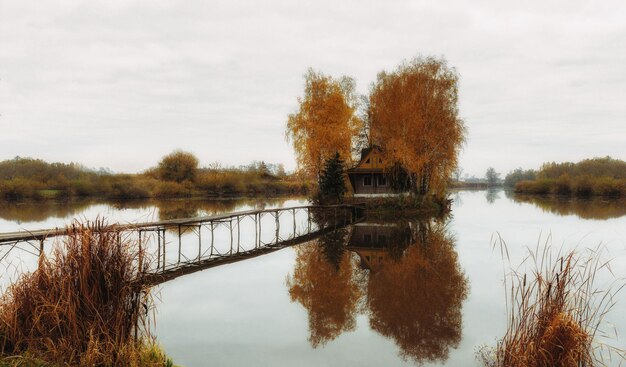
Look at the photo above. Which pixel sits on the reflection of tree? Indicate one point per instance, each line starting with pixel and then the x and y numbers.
pixel 417 300
pixel 176 209
pixel 414 283
pixel 492 195
pixel 333 247
pixel 37 211
pixel 328 216
pixel 323 282
pixel 594 208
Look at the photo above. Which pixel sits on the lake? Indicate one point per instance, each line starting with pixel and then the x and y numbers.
pixel 383 292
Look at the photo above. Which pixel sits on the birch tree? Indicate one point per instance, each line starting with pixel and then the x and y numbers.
pixel 325 123
pixel 414 118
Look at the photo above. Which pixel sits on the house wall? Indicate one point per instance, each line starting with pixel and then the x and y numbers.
pixel 374 188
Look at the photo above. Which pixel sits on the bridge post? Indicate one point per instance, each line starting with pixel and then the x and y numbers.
pixel 308 219
pixel 212 238
pixel 260 229
pixel 230 227
pixel 199 241
pixel 295 234
pixel 256 232
pixel 158 249
pixel 238 233
pixel 277 227
pixel 180 243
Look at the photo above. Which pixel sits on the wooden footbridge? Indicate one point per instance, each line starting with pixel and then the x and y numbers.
pixel 182 246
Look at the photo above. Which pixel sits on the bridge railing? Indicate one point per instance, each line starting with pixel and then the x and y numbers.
pixel 184 243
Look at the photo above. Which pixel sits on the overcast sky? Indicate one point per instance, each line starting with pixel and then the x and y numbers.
pixel 119 84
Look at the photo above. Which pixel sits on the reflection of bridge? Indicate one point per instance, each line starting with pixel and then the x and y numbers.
pixel 183 246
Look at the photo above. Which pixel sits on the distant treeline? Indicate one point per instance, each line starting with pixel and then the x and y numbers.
pixel 590 177
pixel 177 175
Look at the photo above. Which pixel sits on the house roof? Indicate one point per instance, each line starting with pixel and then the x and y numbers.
pixel 366 151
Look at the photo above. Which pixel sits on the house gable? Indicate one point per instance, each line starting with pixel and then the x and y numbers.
pixel 371 159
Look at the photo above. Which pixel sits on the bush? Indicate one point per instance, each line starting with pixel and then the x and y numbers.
pixel 82 306
pixel 18 189
pixel 518 175
pixel 129 188
pixel 606 186
pixel 178 166
pixel 555 311
pixel 168 189
pixel 538 187
pixel 563 185
pixel 82 187
pixel 582 186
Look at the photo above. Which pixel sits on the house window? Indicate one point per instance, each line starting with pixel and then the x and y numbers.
pixel 382 239
pixel 380 160
pixel 382 181
pixel 367 238
pixel 367 181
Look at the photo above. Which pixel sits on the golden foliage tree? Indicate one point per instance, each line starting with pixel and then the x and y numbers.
pixel 323 282
pixel 416 300
pixel 325 123
pixel 414 118
pixel 178 166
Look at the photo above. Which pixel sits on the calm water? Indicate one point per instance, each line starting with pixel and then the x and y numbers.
pixel 380 293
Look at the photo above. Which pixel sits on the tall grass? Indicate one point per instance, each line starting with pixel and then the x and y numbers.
pixel 554 312
pixel 83 305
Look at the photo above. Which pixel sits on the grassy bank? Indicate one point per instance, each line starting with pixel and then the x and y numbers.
pixel 590 177
pixel 25 178
pixel 83 306
pixel 555 312
pixel 581 186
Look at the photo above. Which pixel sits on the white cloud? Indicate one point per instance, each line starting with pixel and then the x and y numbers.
pixel 121 83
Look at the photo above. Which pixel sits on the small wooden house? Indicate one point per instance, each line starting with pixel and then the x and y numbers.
pixel 368 178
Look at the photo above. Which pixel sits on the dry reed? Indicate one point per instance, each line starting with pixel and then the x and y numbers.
pixel 554 314
pixel 83 305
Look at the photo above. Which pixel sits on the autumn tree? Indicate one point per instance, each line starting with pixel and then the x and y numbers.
pixel 178 166
pixel 326 121
pixel 414 118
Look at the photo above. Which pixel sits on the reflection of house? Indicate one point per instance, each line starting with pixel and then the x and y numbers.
pixel 367 177
pixel 371 241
